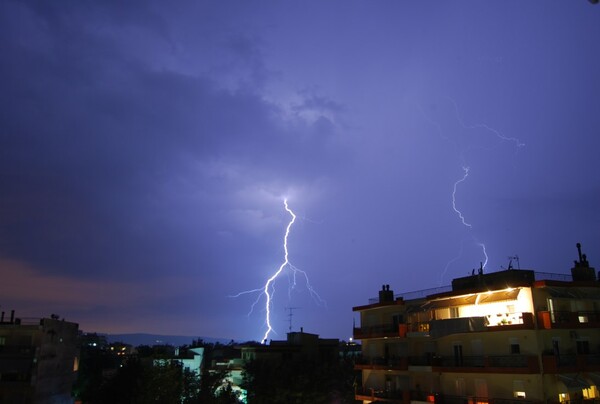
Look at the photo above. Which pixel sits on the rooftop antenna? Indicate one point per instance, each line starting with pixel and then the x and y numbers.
pixel 515 258
pixel 291 314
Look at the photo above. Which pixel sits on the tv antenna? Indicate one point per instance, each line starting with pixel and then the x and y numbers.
pixel 291 314
pixel 516 258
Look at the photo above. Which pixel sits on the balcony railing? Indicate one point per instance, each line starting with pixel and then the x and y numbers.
pixel 17 350
pixel 380 394
pixel 399 396
pixel 380 331
pixel 488 400
pixel 488 363
pixel 568 319
pixel 390 363
pixel 570 363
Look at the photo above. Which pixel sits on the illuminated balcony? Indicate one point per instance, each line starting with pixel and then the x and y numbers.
pixel 500 322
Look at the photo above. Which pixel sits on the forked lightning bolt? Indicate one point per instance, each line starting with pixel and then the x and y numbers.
pixel 270 281
pixel 462 151
pixel 268 290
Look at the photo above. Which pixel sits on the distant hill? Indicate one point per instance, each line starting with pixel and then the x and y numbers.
pixel 155 339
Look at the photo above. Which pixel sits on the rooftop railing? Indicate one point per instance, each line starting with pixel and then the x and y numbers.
pixel 419 294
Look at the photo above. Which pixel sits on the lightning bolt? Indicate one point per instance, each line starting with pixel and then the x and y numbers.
pixel 484 254
pixel 276 274
pixel 462 151
pixel 268 290
pixel 458 212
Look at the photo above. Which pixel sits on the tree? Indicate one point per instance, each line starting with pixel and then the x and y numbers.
pixel 140 382
pixel 299 380
pixel 215 390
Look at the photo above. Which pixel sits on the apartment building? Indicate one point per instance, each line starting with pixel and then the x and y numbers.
pixel 504 337
pixel 39 359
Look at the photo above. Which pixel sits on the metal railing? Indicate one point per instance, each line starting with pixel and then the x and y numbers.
pixel 418 294
pixel 495 361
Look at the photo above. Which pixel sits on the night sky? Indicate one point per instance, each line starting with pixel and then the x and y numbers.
pixel 146 150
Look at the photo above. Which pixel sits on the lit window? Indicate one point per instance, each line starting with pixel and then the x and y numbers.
pixel 590 393
pixel 563 397
pixel 519 389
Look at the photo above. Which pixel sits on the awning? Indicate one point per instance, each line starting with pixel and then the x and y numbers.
pixel 498 296
pixel 451 302
pixel 573 382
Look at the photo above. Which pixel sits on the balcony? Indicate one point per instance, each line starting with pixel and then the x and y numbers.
pixel 484 400
pixel 499 322
pixel 416 329
pixel 570 363
pixel 568 319
pixel 380 331
pixel 381 363
pixel 487 364
pixel 381 395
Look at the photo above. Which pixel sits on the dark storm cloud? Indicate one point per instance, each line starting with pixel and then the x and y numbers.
pixel 146 149
pixel 90 133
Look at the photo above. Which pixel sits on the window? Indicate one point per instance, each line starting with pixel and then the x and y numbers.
pixel 519 389
pixel 515 348
pixel 481 391
pixel 397 319
pixel 555 349
pixel 458 355
pixel 583 347
pixel 460 387
pixel 590 393
pixel 453 312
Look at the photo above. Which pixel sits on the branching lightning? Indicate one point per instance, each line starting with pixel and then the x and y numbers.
pixel 462 152
pixel 276 274
pixel 268 290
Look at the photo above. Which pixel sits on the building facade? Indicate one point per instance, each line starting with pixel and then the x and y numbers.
pixel 38 360
pixel 503 337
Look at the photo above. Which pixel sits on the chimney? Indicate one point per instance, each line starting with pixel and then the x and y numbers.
pixel 581 271
pixel 385 294
pixel 12 316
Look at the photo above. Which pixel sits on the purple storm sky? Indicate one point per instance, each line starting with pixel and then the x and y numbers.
pixel 147 147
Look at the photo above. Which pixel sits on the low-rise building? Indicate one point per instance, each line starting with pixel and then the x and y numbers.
pixel 297 344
